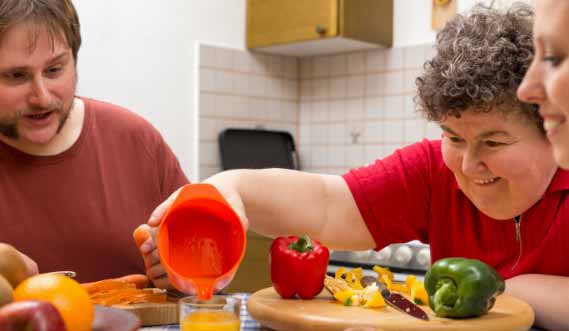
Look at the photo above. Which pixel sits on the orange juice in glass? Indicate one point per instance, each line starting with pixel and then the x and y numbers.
pixel 220 313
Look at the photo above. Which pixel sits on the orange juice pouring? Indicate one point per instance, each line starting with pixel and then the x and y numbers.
pixel 220 313
pixel 201 241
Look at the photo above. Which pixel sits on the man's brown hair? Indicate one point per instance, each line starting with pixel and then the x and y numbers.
pixel 58 17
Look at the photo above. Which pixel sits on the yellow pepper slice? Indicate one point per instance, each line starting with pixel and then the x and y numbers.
pixel 375 301
pixel 343 296
pixel 353 278
pixel 340 272
pixel 383 271
pixel 410 280
pixel 419 293
pixel 399 287
pixel 387 281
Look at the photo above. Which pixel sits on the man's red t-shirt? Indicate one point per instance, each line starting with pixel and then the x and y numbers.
pixel 77 210
pixel 412 195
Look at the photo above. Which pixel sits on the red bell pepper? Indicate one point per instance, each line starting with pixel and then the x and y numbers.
pixel 298 266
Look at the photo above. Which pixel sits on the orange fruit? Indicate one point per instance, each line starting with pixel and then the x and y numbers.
pixel 67 295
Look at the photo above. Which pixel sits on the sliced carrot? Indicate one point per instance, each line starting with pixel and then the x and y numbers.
pixel 140 235
pixel 127 296
pixel 149 295
pixel 123 290
pixel 139 280
pixel 134 281
pixel 113 297
pixel 105 285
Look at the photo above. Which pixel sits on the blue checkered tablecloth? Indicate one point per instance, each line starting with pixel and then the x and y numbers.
pixel 247 323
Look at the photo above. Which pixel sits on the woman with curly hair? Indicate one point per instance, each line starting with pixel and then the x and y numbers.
pixel 490 189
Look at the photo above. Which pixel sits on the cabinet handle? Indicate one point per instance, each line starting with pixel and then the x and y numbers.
pixel 320 30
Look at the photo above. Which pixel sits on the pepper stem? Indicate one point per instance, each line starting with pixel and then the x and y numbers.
pixel 303 244
pixel 445 297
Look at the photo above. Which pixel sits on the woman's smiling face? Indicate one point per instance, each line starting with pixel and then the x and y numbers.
pixel 501 162
pixel 547 80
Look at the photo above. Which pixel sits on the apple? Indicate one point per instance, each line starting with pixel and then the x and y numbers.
pixel 31 315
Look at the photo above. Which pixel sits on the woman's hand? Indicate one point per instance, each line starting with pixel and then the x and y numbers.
pixel 226 184
pixel 145 235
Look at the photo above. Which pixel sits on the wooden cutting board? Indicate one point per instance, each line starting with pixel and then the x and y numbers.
pixel 153 313
pixel 323 313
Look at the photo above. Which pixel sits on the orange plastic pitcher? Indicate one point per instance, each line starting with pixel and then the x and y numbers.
pixel 201 241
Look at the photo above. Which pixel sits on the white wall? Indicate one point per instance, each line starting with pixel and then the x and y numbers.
pixel 413 19
pixel 214 22
pixel 412 23
pixel 140 54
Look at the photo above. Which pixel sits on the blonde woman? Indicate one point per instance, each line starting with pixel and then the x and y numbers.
pixel 547 80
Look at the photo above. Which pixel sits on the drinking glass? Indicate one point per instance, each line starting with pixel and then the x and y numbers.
pixel 220 313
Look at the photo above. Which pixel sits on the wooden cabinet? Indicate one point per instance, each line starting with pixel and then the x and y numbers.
pixel 310 27
pixel 254 271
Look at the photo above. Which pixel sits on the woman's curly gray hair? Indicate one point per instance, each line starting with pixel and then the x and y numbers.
pixel 480 62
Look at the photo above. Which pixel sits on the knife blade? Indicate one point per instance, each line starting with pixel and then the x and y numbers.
pixel 401 303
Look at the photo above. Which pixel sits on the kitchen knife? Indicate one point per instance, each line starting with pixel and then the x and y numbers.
pixel 401 303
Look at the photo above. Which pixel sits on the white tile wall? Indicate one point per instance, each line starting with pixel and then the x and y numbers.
pixel 375 132
pixel 356 63
pixel 355 109
pixel 321 67
pixel 354 155
pixel 338 65
pixel 305 68
pixel 244 90
pixel 375 60
pixel 356 86
pixel 344 110
pixel 374 108
pixel 370 97
pixel 375 85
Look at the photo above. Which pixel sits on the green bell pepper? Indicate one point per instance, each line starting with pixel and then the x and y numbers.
pixel 460 287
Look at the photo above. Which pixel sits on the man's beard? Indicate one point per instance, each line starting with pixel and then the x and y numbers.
pixel 9 127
